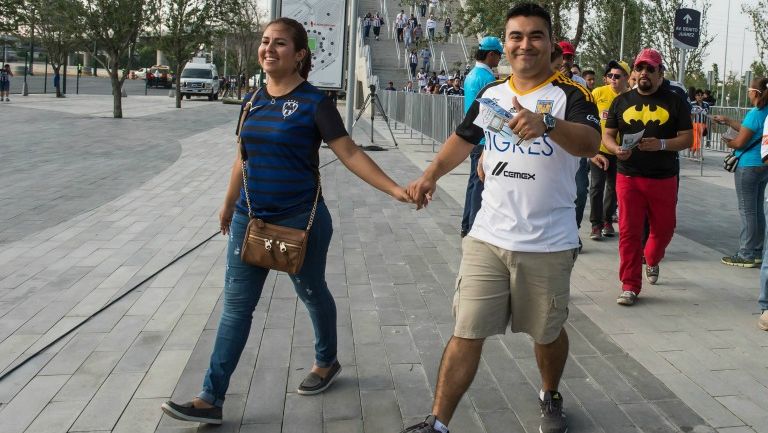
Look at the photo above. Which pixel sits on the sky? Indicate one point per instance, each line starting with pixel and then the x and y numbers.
pixel 739 32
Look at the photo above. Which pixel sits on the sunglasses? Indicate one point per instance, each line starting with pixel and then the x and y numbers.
pixel 614 76
pixel 756 90
pixel 647 68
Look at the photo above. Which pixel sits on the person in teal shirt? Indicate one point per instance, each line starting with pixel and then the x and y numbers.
pixel 487 56
pixel 751 176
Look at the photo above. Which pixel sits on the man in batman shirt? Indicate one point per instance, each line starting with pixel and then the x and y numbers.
pixel 646 183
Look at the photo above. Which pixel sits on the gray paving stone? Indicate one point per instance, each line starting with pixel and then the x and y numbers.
pixel 380 411
pixel 57 417
pixel 609 379
pixel 412 390
pixel 399 345
pixel 342 400
pixel 344 426
pixel 501 420
pixel 303 414
pixel 682 416
pixel 20 412
pixel 141 415
pixel 73 354
pixel 645 416
pixel 163 375
pixel 140 356
pixel 106 407
pixel 82 385
pixel 266 398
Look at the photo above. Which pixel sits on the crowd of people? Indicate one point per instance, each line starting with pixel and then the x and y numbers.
pixel 540 142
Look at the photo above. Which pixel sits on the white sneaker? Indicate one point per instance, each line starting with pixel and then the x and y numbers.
pixel 762 322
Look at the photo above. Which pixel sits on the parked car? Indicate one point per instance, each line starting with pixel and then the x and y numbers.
pixel 159 76
pixel 140 74
pixel 200 79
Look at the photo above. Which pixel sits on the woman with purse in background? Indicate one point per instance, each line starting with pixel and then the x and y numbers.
pixel 751 176
pixel 283 125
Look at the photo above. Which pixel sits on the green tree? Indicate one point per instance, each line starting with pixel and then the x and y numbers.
pixel 758 14
pixel 600 46
pixel 488 17
pixel 659 18
pixel 114 25
pixel 57 26
pixel 183 28
pixel 11 15
pixel 243 32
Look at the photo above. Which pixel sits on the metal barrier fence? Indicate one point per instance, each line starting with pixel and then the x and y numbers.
pixel 433 116
pixel 437 116
pixel 715 131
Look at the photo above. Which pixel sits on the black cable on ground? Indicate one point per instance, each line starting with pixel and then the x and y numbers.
pixel 112 302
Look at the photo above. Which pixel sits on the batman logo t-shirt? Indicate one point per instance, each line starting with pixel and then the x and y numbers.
pixel 662 115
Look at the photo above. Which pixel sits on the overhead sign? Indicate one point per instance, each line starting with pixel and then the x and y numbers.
pixel 687 25
pixel 326 23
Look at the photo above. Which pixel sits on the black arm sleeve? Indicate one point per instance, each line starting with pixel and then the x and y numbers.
pixel 467 128
pixel 684 122
pixel 582 109
pixel 328 121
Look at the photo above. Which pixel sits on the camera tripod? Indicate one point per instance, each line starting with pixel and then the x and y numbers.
pixel 373 100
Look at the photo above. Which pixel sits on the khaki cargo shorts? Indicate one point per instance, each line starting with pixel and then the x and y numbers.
pixel 497 288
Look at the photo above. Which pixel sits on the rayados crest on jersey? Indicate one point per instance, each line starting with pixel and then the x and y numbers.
pixel 290 107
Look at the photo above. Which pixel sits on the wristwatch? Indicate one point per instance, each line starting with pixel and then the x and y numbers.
pixel 549 122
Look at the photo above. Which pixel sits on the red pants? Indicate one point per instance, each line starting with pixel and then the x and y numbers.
pixel 639 197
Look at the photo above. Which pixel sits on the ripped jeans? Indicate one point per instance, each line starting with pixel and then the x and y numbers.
pixel 242 290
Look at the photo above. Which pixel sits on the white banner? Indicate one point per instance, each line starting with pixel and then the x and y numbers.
pixel 326 24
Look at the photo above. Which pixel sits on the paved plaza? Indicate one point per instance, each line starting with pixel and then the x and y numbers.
pixel 92 206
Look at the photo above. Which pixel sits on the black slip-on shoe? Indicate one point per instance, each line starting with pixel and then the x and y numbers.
pixel 315 384
pixel 188 412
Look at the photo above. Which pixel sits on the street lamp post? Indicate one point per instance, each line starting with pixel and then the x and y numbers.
pixel 725 55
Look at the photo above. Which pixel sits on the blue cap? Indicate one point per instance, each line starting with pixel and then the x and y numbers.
pixel 491 43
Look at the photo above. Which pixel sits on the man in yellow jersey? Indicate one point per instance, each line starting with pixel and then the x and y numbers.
pixel 602 167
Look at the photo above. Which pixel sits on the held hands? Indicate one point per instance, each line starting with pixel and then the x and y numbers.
pixel 420 191
pixel 526 124
pixel 720 119
pixel 600 161
pixel 400 194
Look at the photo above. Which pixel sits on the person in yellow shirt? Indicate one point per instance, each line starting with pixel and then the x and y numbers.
pixel 602 167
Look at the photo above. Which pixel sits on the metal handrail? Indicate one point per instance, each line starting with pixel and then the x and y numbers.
pixel 463 44
pixel 443 63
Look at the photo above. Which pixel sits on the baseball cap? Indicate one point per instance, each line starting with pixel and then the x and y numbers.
pixel 491 43
pixel 618 64
pixel 567 48
pixel 650 57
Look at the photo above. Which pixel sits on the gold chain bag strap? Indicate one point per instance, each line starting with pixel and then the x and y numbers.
pixel 269 245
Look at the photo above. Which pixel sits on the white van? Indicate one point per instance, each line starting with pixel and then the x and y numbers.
pixel 200 79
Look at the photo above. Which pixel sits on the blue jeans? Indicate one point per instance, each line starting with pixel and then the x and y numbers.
pixel 750 193
pixel 242 289
pixel 763 299
pixel 582 188
pixel 473 199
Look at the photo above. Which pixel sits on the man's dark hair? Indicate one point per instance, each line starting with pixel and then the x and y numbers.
pixel 481 55
pixel 531 10
pixel 576 65
pixel 588 72
pixel 557 52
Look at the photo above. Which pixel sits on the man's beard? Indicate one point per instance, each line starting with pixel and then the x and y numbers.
pixel 644 85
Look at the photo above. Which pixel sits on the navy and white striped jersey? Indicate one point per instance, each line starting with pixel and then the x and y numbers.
pixel 282 138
